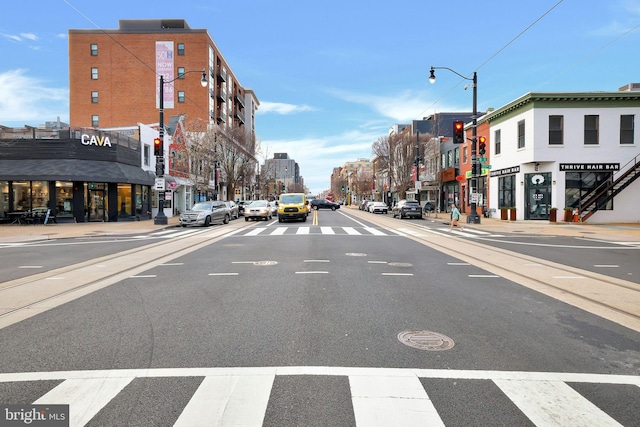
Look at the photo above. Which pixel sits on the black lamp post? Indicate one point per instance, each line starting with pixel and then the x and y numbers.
pixel 161 218
pixel 473 217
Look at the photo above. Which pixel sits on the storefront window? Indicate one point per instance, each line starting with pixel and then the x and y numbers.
pixel 507 191
pixel 64 199
pixel 4 200
pixel 21 195
pixel 581 185
pixel 40 193
pixel 124 200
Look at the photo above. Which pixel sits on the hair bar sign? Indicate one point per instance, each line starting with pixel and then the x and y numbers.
pixel 578 167
pixel 99 141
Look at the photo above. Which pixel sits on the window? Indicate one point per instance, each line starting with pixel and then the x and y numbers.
pixel 94 49
pixel 180 48
pixel 521 134
pixel 147 154
pixel 94 73
pixel 94 121
pixel 506 191
pixel 497 136
pixel 456 155
pixel 556 130
pixel 443 161
pixel 180 96
pixel 626 128
pixel 94 97
pixel 579 186
pixel 450 159
pixel 181 72
pixel 591 124
pixel 465 158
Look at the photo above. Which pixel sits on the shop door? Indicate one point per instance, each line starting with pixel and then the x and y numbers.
pixel 538 193
pixel 97 203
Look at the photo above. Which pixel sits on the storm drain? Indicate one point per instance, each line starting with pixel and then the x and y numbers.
pixel 426 340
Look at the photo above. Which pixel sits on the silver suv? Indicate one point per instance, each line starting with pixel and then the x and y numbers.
pixel 206 213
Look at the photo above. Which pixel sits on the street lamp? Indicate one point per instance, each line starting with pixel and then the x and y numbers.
pixel 161 218
pixel 473 217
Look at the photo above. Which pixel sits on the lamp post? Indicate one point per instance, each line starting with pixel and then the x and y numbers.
pixel 161 218
pixel 473 217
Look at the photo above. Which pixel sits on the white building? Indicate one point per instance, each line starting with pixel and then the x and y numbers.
pixel 567 150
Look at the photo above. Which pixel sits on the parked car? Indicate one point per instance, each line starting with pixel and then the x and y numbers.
pixel 258 209
pixel 407 209
pixel 243 204
pixel 429 206
pixel 377 207
pixel 206 213
pixel 324 204
pixel 233 208
pixel 273 206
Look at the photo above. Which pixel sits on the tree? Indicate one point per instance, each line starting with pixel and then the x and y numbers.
pixel 235 155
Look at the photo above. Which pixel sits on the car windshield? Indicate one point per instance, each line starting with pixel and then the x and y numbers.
pixel 201 207
pixel 291 198
pixel 412 204
pixel 259 203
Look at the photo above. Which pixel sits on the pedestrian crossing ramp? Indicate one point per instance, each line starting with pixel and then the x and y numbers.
pixel 377 396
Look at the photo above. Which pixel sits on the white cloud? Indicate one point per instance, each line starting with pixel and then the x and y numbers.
pixel 318 156
pixel 11 37
pixel 282 108
pixel 401 107
pixel 29 36
pixel 27 100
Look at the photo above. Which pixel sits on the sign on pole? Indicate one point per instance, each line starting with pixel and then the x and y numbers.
pixel 159 184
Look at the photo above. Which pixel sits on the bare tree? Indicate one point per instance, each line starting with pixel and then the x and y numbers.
pixel 235 156
pixel 401 162
pixel 200 152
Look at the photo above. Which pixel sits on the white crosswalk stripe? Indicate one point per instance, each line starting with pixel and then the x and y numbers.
pixel 379 396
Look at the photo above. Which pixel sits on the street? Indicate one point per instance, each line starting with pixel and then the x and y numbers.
pixel 359 320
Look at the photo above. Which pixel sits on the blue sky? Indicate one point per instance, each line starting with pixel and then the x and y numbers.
pixel 334 76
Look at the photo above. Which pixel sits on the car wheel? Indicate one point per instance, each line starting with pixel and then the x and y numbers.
pixel 279 219
pixel 246 219
pixel 184 225
pixel 333 208
pixel 226 219
pixel 207 221
pixel 304 218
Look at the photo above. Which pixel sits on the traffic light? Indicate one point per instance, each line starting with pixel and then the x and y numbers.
pixel 343 188
pixel 157 147
pixel 458 132
pixel 482 145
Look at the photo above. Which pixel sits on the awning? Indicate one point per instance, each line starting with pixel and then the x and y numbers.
pixel 73 170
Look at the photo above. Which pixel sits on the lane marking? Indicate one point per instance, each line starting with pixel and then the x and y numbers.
pixel 30 266
pixel 312 272
pixel 397 274
pixel 351 231
pixel 482 275
pixel 327 230
pixel 279 231
pixel 143 276
pixel 303 230
pixel 377 262
pixel 168 264
pixel 458 263
pixel 606 266
pixel 223 274
pixel 255 231
pixel 316 260
pixel 374 231
pixel 569 277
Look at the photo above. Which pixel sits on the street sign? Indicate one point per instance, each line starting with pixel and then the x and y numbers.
pixel 159 184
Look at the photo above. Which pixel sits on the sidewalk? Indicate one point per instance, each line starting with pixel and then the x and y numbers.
pixel 610 232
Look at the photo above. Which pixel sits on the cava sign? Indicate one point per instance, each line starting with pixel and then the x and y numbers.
pixel 98 141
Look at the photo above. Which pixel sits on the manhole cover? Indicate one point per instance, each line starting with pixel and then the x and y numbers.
pixel 262 263
pixel 355 254
pixel 399 264
pixel 426 340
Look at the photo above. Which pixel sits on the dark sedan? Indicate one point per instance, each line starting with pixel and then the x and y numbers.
pixel 407 209
pixel 324 204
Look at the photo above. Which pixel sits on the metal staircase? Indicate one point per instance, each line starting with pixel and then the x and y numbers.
pixel 600 196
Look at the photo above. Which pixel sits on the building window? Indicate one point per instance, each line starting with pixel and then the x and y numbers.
pixel 497 136
pixel 94 121
pixel 181 72
pixel 94 97
pixel 443 161
pixel 521 134
pixel 94 49
pixel 180 96
pixel 506 191
pixel 94 73
pixel 591 125
pixel 180 48
pixel 465 158
pixel 147 155
pixel 450 159
pixel 456 155
pixel 556 130
pixel 626 128
pixel 579 186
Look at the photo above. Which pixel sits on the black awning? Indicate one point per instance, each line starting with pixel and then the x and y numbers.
pixel 73 170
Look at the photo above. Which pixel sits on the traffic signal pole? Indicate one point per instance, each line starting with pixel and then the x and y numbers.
pixel 473 217
pixel 161 218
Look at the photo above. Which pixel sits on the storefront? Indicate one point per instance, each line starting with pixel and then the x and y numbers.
pixel 84 175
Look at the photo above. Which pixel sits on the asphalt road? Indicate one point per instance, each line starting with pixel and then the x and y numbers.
pixel 303 322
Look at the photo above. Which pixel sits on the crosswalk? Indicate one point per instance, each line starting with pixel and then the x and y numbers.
pixel 377 396
pixel 328 231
